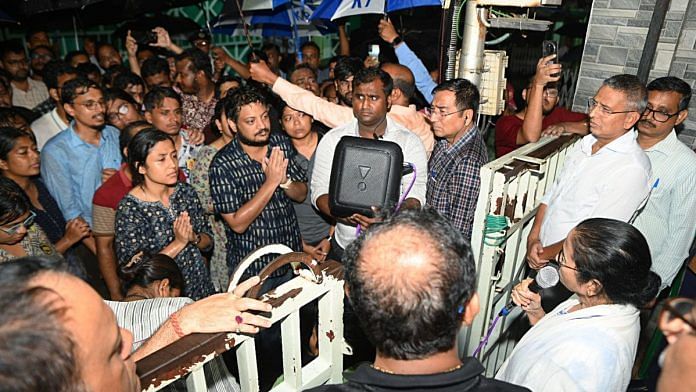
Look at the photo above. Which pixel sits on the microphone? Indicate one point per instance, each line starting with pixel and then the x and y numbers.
pixel 546 277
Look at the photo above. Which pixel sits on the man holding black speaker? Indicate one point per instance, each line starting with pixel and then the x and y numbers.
pixel 454 170
pixel 372 89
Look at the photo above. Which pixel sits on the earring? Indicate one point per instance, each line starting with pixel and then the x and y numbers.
pixel 460 309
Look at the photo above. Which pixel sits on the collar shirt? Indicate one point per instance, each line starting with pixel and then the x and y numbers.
pixel 235 179
pixel 611 183
pixel 668 221
pixel 413 152
pixel 454 179
pixel 47 126
pixel 36 94
pixel 72 169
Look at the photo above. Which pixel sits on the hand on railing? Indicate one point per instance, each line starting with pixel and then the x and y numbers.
pixel 227 312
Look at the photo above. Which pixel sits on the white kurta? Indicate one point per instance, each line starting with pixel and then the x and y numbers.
pixel 591 349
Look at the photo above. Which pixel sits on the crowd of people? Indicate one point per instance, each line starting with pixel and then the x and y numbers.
pixel 152 181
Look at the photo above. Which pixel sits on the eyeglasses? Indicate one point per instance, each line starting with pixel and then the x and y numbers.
pixel 658 115
pixel 121 111
pixel 42 56
pixel 12 230
pixel 592 103
pixel 551 93
pixel 92 105
pixel 561 260
pixel 431 112
pixel 681 308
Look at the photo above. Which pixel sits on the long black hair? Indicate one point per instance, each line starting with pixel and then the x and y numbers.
pixel 617 255
pixel 13 201
pixel 151 269
pixel 8 140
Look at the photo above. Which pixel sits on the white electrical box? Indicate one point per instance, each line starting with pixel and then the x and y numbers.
pixel 493 82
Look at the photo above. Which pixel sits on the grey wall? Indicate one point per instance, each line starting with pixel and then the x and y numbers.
pixel 614 44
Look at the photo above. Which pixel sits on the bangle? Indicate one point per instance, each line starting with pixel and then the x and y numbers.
pixel 286 184
pixel 197 240
pixel 177 327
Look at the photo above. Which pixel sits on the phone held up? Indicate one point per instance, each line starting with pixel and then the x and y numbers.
pixel 549 48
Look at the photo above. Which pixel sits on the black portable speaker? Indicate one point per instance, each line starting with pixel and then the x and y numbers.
pixel 364 173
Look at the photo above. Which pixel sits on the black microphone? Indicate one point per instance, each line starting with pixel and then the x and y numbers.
pixel 546 277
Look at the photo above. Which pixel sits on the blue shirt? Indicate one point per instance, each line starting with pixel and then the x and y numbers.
pixel 424 82
pixel 72 169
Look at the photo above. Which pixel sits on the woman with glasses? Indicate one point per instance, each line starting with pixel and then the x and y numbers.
pixel 20 162
pixel 19 236
pixel 588 342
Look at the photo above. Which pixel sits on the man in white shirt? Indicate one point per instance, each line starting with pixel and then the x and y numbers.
pixel 371 102
pixel 605 175
pixel 668 220
pixel 56 74
pixel 26 92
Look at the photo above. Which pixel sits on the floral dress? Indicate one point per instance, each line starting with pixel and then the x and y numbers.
pixel 201 183
pixel 148 226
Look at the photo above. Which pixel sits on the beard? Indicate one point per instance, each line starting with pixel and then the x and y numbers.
pixel 547 112
pixel 20 75
pixel 254 143
pixel 345 100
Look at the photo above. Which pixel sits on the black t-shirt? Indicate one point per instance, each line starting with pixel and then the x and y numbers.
pixel 466 378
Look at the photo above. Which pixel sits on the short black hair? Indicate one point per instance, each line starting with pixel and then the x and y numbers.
pixel 347 67
pixel 32 335
pixel 55 69
pixel 85 69
pixel 673 83
pixel 617 255
pixel 154 66
pixel 466 94
pixel 111 94
pixel 310 44
pixel 225 79
pixel 244 95
pixel 8 115
pixel 125 79
pixel 11 46
pixel 75 87
pixel 270 46
pixel 413 321
pixel 149 269
pixel 199 61
pixel 139 148
pixel 45 47
pixel 634 90
pixel 127 133
pixel 154 98
pixel 303 66
pixel 368 75
pixel 13 201
pixel 73 53
pixel 111 73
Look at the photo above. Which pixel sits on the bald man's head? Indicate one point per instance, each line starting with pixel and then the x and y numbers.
pixel 407 278
pixel 403 81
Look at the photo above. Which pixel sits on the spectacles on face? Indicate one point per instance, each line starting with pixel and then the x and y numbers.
pixel 658 115
pixel 12 230
pixel 432 112
pixel 92 105
pixel 681 308
pixel 551 93
pixel 121 111
pixel 561 260
pixel 37 56
pixel 592 103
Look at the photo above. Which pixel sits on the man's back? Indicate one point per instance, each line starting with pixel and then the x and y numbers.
pixel 468 377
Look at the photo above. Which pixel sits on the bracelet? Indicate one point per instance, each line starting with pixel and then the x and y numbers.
pixel 197 240
pixel 286 184
pixel 396 41
pixel 177 327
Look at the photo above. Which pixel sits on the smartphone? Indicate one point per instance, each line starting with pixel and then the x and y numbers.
pixel 144 37
pixel 374 51
pixel 548 48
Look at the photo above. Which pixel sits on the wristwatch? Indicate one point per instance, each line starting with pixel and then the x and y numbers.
pixel 396 41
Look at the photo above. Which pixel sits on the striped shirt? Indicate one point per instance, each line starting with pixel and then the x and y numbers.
pixel 235 179
pixel 144 317
pixel 454 179
pixel 36 94
pixel 668 221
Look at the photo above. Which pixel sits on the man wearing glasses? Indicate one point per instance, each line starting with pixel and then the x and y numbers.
pixel 542 116
pixel 75 162
pixel 605 175
pixel 454 168
pixel 663 221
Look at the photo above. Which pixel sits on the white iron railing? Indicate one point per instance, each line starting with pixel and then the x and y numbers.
pixel 511 187
pixel 186 357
